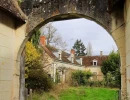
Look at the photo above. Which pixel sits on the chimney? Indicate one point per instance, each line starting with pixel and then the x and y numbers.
pixel 72 55
pixel 43 40
pixel 73 51
pixel 81 61
pixel 101 53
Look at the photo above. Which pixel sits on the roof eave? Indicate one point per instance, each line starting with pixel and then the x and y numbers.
pixel 14 9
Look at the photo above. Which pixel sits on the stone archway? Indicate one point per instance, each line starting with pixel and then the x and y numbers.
pixel 43 11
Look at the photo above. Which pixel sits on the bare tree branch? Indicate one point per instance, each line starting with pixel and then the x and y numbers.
pixel 53 37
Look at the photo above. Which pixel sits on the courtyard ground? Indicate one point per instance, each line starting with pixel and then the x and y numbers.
pixel 79 93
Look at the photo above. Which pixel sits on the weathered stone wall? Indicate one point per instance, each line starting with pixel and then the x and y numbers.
pixel 41 10
pixel 12 34
pixel 107 13
pixel 11 37
pixel 127 40
pixel 7 32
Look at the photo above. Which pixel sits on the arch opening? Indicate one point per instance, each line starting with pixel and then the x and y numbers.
pixel 59 18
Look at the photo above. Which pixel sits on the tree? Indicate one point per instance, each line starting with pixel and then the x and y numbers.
pixel 35 38
pixel 80 77
pixel 53 37
pixel 32 56
pixel 82 52
pixel 111 66
pixel 19 2
pixel 51 33
pixel 89 49
pixel 79 48
pixel 36 77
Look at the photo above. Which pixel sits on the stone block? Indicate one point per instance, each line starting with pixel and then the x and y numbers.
pixel 6 86
pixel 6 75
pixel 128 44
pixel 128 59
pixel 128 10
pixel 21 31
pixel 6 53
pixel 6 41
pixel 6 95
pixel 118 33
pixel 0 96
pixel 116 24
pixel 128 78
pixel 123 61
pixel 0 87
pixel 127 30
pixel 18 43
pixel 17 68
pixel 6 30
pixel 120 42
pixel 122 51
pixel 6 63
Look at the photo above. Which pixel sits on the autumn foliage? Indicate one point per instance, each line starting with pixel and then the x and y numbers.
pixel 36 77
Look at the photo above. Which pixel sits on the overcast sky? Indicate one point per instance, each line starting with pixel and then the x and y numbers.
pixel 87 31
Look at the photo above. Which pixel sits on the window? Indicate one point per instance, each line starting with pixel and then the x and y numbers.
pixel 94 62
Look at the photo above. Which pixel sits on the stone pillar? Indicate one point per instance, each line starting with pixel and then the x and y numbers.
pixel 54 72
pixel 118 34
pixel 63 76
pixel 127 40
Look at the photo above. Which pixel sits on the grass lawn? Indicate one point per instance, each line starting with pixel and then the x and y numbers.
pixel 80 93
pixel 83 93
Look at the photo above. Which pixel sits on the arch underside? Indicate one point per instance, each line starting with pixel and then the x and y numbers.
pixel 43 11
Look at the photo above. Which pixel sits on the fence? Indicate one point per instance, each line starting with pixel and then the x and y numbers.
pixel 28 94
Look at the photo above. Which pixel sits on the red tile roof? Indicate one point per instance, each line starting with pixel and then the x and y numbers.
pixel 49 52
pixel 13 8
pixel 64 55
pixel 88 60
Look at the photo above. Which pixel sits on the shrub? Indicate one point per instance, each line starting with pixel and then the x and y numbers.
pixel 38 80
pixel 95 83
pixel 36 77
pixel 80 77
pixel 111 70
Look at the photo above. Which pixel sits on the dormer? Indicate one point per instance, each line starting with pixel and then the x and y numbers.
pixel 95 62
pixel 60 55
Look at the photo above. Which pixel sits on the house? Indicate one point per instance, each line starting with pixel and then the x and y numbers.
pixel 61 63
pixel 94 63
